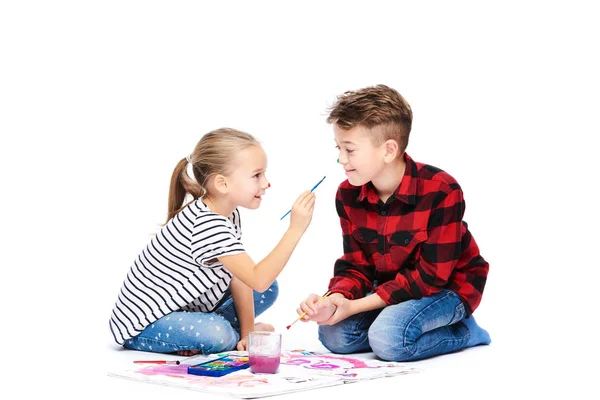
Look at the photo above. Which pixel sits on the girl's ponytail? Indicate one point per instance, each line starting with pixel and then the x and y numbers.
pixel 214 154
pixel 181 185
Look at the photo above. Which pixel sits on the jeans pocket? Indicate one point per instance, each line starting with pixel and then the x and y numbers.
pixel 459 313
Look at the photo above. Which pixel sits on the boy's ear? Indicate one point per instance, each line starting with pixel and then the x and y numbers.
pixel 220 183
pixel 391 150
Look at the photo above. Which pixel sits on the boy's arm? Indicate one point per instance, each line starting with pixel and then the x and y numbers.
pixel 243 301
pixel 352 274
pixel 439 254
pixel 336 308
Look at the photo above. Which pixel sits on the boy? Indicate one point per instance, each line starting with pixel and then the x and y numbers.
pixel 411 274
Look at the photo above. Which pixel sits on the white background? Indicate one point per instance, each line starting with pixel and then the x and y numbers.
pixel 99 100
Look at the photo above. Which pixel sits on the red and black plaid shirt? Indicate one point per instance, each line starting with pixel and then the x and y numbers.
pixel 413 245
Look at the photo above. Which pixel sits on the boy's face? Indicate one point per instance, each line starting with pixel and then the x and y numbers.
pixel 248 181
pixel 362 161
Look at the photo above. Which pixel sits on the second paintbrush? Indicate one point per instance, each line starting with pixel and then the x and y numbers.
pixel 304 313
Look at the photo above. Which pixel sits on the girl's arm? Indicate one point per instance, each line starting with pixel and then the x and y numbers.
pixel 260 276
pixel 243 300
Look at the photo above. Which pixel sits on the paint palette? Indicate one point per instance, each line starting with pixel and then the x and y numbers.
pixel 220 366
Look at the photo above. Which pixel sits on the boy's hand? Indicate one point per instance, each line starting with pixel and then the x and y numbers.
pixel 341 307
pixel 302 211
pixel 316 309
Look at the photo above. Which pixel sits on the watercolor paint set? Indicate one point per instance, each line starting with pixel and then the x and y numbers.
pixel 221 366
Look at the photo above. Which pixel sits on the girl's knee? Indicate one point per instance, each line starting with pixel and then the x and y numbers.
pixel 272 292
pixel 264 300
pixel 208 333
pixel 217 337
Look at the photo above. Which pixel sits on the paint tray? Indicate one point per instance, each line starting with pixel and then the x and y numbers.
pixel 220 366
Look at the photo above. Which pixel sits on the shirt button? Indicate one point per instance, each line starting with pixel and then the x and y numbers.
pixel 406 241
pixel 383 212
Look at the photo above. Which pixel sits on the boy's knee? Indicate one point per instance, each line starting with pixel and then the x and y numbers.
pixel 334 339
pixel 389 345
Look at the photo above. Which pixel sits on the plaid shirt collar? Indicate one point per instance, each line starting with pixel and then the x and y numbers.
pixel 406 192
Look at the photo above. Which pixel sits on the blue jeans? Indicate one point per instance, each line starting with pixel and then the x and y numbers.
pixel 407 331
pixel 209 333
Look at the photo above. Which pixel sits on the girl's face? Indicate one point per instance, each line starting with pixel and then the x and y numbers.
pixel 362 161
pixel 248 181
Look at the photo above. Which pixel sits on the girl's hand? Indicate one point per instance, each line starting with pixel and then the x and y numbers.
pixel 316 309
pixel 242 345
pixel 302 211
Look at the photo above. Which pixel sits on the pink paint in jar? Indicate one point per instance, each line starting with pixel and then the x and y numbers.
pixel 264 352
pixel 264 364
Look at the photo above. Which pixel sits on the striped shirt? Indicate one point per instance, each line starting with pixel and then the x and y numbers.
pixel 413 245
pixel 178 270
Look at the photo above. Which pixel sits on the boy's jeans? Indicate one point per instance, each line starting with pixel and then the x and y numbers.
pixel 209 333
pixel 410 330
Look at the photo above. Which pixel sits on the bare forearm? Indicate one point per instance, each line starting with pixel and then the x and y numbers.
pixel 269 268
pixel 344 308
pixel 368 303
pixel 243 301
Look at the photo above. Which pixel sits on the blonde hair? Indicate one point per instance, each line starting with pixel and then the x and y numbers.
pixel 379 107
pixel 213 155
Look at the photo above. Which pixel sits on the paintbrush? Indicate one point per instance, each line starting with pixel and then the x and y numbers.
pixel 304 313
pixel 156 362
pixel 314 187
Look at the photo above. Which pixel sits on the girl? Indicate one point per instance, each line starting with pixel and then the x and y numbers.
pixel 191 289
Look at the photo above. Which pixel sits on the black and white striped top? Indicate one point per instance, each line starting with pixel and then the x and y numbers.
pixel 178 270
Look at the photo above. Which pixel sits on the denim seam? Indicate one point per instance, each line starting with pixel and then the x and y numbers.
pixel 460 306
pixel 222 311
pixel 418 314
pixel 358 323
pixel 445 341
pixel 159 341
pixel 468 332
pixel 177 347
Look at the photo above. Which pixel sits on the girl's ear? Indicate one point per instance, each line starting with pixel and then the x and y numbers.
pixel 391 150
pixel 220 183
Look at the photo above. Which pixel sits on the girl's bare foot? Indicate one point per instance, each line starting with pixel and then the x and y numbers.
pixel 261 326
pixel 188 353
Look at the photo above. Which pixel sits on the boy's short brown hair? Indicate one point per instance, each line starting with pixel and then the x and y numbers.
pixel 379 107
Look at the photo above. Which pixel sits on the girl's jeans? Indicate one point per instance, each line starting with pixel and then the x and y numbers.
pixel 210 333
pixel 410 330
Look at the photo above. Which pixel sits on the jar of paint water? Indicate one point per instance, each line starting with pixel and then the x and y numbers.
pixel 264 352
